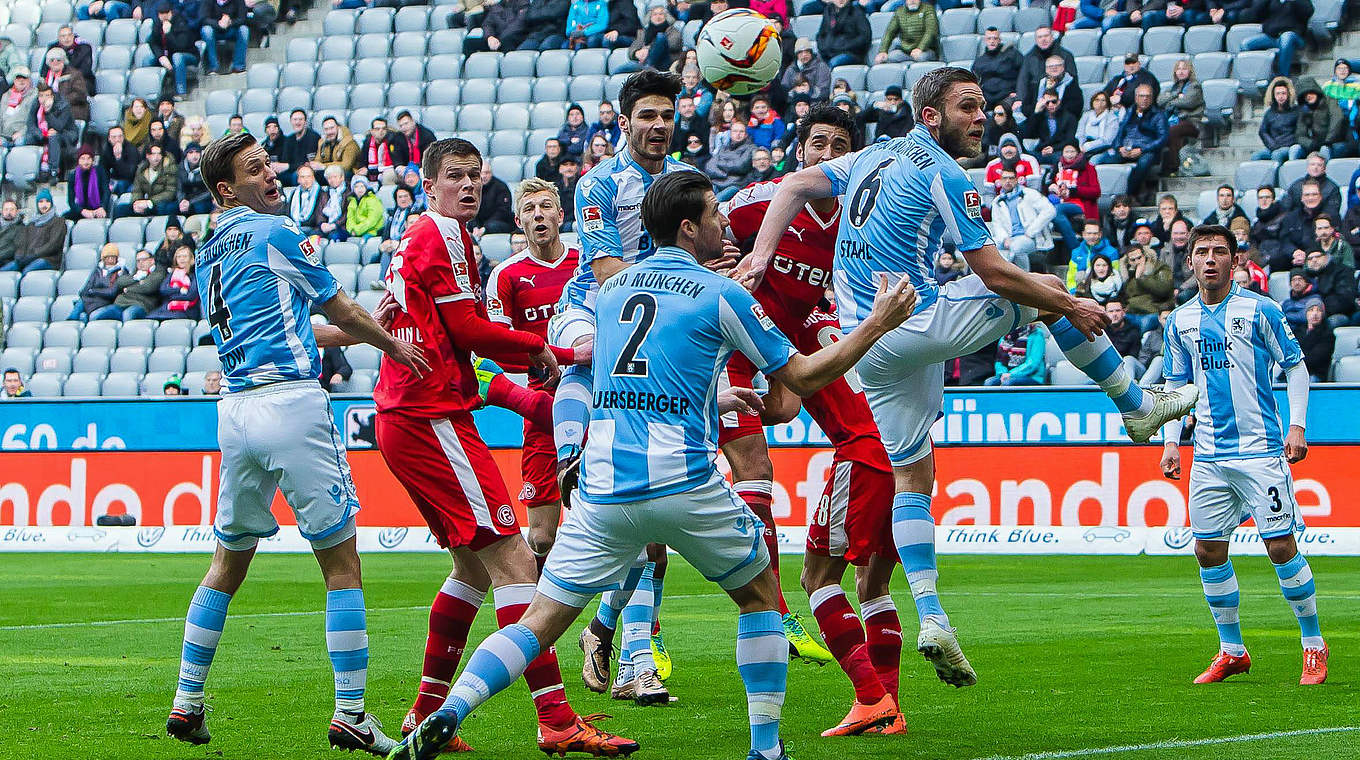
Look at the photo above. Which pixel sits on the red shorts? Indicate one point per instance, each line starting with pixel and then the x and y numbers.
pixel 854 517
pixel 538 467
pixel 733 426
pixel 450 475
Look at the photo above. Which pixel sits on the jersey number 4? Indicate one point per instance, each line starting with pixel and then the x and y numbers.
pixel 219 315
pixel 640 312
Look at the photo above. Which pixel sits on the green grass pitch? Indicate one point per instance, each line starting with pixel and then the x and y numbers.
pixel 1073 653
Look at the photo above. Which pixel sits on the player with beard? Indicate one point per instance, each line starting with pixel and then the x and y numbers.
pixel 904 197
pixel 258 274
pixel 427 436
pixel 853 521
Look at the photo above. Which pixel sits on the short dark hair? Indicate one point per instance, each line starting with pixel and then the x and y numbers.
pixel 931 89
pixel 1122 200
pixel 1011 171
pixel 1213 230
pixel 218 160
pixel 1134 248
pixel 1226 186
pixel 761 98
pixel 1092 223
pixel 331 117
pixel 235 116
pixel 297 110
pixel 43 86
pixel 1310 181
pixel 1268 188
pixel 403 114
pixel 671 200
pixel 648 82
pixel 991 29
pixel 1180 220
pixel 824 113
pixel 433 157
pixel 1324 217
pixel 377 119
pixel 11 371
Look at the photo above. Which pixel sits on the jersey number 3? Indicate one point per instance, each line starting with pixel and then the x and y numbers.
pixel 640 312
pixel 866 195
pixel 219 315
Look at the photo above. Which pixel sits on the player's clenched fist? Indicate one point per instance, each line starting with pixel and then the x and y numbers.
pixel 894 303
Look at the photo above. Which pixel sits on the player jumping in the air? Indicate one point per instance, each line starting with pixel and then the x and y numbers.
pixel 257 275
pixel 427 436
pixel 1228 341
pixel 648 473
pixel 523 293
pixel 853 520
pixel 903 198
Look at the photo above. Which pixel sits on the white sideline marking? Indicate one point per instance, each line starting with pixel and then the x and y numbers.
pixel 1175 744
pixel 1188 594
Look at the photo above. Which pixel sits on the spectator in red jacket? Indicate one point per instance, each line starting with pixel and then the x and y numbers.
pixel 1023 164
pixel 1074 187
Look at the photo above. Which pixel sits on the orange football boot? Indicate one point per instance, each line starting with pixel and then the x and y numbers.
pixel 863 717
pixel 1314 666
pixel 583 736
pixel 412 720
pixel 898 726
pixel 1225 665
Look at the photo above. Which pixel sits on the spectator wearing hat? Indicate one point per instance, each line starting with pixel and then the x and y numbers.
pixel 891 115
pixel 67 82
pixel 273 144
pixel 43 239
pixel 172 45
pixel 913 34
pixel 15 105
pixel 658 43
pixel 225 21
pixel 568 174
pixel 801 104
pixel 174 386
pixel 1011 157
pixel 1318 343
pixel 51 126
pixel 364 215
pixel 155 189
pixel 14 385
pixel 845 35
pixel 193 191
pixel 174 238
pixel 807 64
pixel 157 134
pixel 575 133
pixel 997 67
pixel 87 189
pixel 79 55
pixel 98 292
pixel 1302 294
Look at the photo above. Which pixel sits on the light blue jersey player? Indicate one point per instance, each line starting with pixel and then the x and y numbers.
pixel 649 474
pixel 257 276
pixel 904 201
pixel 1230 342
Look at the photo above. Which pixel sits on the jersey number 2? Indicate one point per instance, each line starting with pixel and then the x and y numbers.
pixel 219 315
pixel 640 312
pixel 866 195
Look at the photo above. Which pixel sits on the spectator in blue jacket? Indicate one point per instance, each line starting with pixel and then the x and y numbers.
pixel 1092 14
pixel 1141 138
pixel 575 133
pixel 1093 243
pixel 1284 25
pixel 765 127
pixel 608 125
pixel 587 21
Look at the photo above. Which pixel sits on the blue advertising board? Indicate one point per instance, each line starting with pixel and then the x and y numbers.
pixel 973 416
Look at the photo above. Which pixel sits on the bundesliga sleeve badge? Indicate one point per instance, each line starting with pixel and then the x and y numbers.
pixel 591 219
pixel 972 204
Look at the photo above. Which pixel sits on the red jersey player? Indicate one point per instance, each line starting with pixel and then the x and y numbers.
pixel 853 521
pixel 427 437
pixel 523 294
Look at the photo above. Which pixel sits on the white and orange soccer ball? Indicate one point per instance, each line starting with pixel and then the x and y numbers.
pixel 738 51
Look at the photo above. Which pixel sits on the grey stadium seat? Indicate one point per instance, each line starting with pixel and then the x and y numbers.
pixel 883 75
pixel 21 166
pixel 331 98
pixel 122 31
pixel 153 383
pixel 62 335
pixel 304 73
pixel 121 384
pixel 1091 69
pixel 30 309
pixel 130 229
pixel 507 168
pixel 83 384
pixel 220 101
pixel 345 274
pixel 9 285
pixel 373 46
pixel 46 384
pixel 551 90
pixel 175 332
pixel 129 359
pixel 408 69
pixel 257 101
pixel 475 117
pixel 62 307
pixel 618 58
pixel 959 47
pixel 1290 172
pixel 1001 17
pixel 301 49
pixel 1346 370
pixel 20 358
pixel 368 70
pixel 145 82
pixel 1341 169
pixel 587 89
pixel 807 26
pixel 482 66
pixel 1163 39
pixel 42 283
pixel 1121 42
pixel 1064 373
pixel 202 359
pixel 507 142
pixel 92 359
pixel 371 273
pixel 516 90
pixel 1252 69
pixel 1203 38
pixel 338 22
pixel 262 75
pixel 547 115
pixel 405 94
pixel 27 334
pixel 341 252
pixel 445 41
pixel 1347 342
pixel 878 24
pixel 363 356
pixel 54 359
pixel 478 91
pixel 1239 33
pixel 101 333
pixel 519 63
pixel 512 116
pixel 589 61
pixel 1163 65
pixel 554 63
pixel 1278 286
pixel 1031 18
pixel 137 333
pixel 111 82
pixel 918 70
pixel 855 75
pixel 105 110
pixel 1114 178
pixel 1212 65
pixel 368 96
pixel 409 44
pixel 375 20
pixel 115 58
pixel 412 18
pixel 336 48
pixel 1254 174
pixel 167 359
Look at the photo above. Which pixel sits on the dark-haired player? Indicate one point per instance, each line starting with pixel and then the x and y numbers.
pixel 426 434
pixel 903 198
pixel 668 326
pixel 853 520
pixel 258 275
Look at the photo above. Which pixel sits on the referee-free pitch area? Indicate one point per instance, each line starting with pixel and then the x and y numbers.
pixel 1076 656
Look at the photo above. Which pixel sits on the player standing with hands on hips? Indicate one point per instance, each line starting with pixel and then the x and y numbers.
pixel 258 274
pixel 1228 341
pixel 903 197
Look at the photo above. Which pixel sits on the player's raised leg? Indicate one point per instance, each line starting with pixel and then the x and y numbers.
pixel 597 638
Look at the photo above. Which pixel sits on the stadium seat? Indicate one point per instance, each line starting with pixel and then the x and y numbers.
pixel 855 75
pixel 1213 65
pixel 129 359
pixel 412 18
pixel 21 166
pixel 101 333
pixel 1001 17
pixel 445 41
pixel 220 101
pixel 807 26
pixel 302 49
pixel 586 89
pixel 86 384
pixel 54 359
pixel 193 383
pixel 1279 286
pixel 1031 18
pixel 121 384
pixel 42 284
pixel 551 90
pixel 479 118
pixel 1239 33
pixel 167 359
pixel 153 383
pixel 369 46
pixel 175 333
pixel 1091 69
pixel 1162 65
pixel 479 91
pixel 45 384
pixel 363 356
pixel 111 81
pixel 338 23
pixel 30 309
pixel 482 66
pixel 506 142
pixel 129 229
pixel 373 20
pixel 883 75
pixel 1289 173
pixel 959 47
pixel 257 101
pixel 262 76
pixel 1252 69
pixel 515 90
pixel 145 82
pixel 1254 174
pixel 1346 369
pixel 547 116
pixel 369 299
pixel 345 274
pixel 121 32
pixel 105 110
pixel 370 96
pixel 291 98
pixel 92 359
pixel 138 333
pixel 9 285
pixel 589 61
pixel 518 63
pixel 1066 374
pixel 618 58
pixel 408 69
pixel 1121 42
pixel 554 63
pixel 1162 39
pixel 341 252
pixel 64 334
pixel 90 30
pixel 1203 38
pixel 405 95
pixel 1347 342
pixel 1114 178
pixel 62 306
pixel 331 98
pixel 371 273
pixel 19 357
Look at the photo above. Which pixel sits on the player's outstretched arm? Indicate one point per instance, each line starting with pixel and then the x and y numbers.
pixel 805 375
pixel 330 336
pixel 1043 292
pixel 346 314
pixel 1296 390
pixel 469 331
pixel 781 404
pixel 794 192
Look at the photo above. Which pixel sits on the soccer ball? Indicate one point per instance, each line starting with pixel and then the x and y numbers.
pixel 738 51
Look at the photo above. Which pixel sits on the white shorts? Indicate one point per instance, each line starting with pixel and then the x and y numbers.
pixel 282 437
pixel 903 373
pixel 1223 494
pixel 570 325
pixel 599 543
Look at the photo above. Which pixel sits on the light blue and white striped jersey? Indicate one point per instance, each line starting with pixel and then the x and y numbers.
pixel 609 219
pixel 902 196
pixel 257 275
pixel 1229 350
pixel 665 331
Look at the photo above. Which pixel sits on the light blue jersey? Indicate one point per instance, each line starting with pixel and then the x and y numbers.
pixel 902 197
pixel 257 275
pixel 667 327
pixel 609 219
pixel 1229 350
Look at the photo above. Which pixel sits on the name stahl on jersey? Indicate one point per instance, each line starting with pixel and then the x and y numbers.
pixel 792 293
pixel 524 291
pixel 433 265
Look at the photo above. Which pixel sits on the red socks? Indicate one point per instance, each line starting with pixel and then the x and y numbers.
pixel 758 494
pixel 542 675
pixel 844 637
pixel 451 617
pixel 534 406
pixel 885 639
